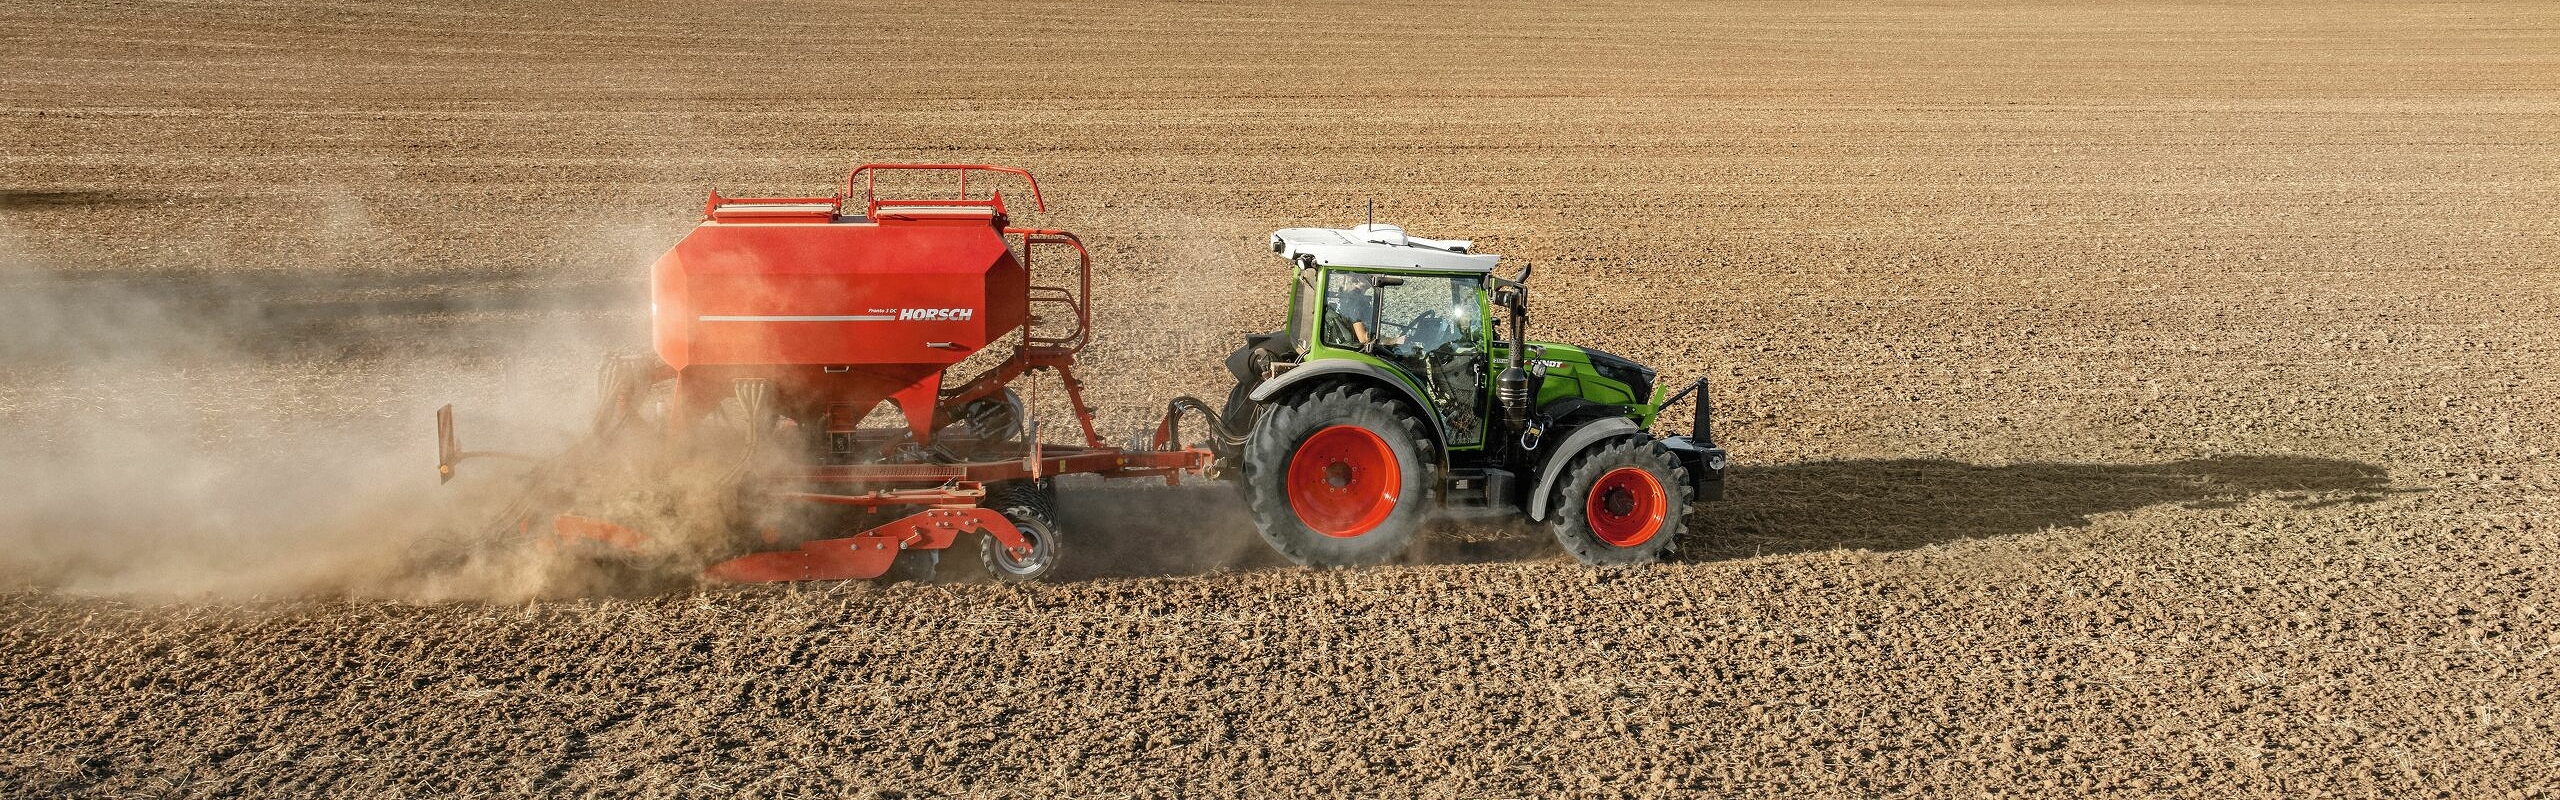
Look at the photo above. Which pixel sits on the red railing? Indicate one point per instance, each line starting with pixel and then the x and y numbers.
pixel 867 176
pixel 1073 340
pixel 818 209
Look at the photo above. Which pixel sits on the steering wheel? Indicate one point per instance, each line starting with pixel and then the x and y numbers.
pixel 1434 328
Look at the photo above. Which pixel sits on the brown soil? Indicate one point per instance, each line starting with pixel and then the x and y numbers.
pixel 2130 398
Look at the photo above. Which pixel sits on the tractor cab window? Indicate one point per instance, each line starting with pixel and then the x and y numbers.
pixel 1432 326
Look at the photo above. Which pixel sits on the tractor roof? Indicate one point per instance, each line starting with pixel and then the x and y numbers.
pixel 1380 246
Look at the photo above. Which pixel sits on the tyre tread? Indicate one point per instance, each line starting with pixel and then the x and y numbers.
pixel 1266 458
pixel 1572 529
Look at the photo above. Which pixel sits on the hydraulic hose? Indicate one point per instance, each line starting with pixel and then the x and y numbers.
pixel 1221 442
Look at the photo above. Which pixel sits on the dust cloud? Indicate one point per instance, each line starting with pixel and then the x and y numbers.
pixel 209 436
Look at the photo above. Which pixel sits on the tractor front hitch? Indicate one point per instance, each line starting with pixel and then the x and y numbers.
pixel 1698 450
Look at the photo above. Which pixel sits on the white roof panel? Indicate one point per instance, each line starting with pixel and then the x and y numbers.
pixel 1381 246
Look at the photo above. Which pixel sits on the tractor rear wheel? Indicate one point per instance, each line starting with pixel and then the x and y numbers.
pixel 1032 508
pixel 1339 477
pixel 1621 502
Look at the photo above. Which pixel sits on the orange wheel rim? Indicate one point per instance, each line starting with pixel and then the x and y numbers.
pixel 1343 481
pixel 1626 507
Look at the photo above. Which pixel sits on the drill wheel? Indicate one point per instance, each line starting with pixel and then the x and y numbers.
pixel 1031 507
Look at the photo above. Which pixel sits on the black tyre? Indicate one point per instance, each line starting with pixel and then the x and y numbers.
pixel 1339 477
pixel 1237 418
pixel 1032 507
pixel 1623 501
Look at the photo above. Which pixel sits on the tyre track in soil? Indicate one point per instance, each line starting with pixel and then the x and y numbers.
pixel 2138 398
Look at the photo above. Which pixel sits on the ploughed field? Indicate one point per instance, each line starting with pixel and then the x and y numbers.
pixel 2141 397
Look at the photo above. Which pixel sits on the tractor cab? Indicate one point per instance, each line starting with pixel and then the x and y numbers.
pixel 1413 306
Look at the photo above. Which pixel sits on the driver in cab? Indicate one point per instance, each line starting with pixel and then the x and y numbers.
pixel 1351 311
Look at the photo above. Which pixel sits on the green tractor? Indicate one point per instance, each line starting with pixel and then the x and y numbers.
pixel 1390 396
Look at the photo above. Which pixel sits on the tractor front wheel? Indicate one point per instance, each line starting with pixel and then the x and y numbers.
pixel 1340 477
pixel 1621 502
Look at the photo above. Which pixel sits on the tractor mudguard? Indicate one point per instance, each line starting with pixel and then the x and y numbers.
pixel 1240 362
pixel 1581 439
pixel 1273 346
pixel 1308 372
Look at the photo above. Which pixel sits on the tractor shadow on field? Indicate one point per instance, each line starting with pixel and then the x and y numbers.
pixel 1124 530
pixel 1135 529
pixel 1899 504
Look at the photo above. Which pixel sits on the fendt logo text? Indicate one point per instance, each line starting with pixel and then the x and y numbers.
pixel 936 314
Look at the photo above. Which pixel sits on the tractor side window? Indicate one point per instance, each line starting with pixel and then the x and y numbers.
pixel 1431 326
pixel 1351 310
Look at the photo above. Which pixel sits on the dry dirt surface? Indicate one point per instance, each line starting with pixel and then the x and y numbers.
pixel 2128 398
